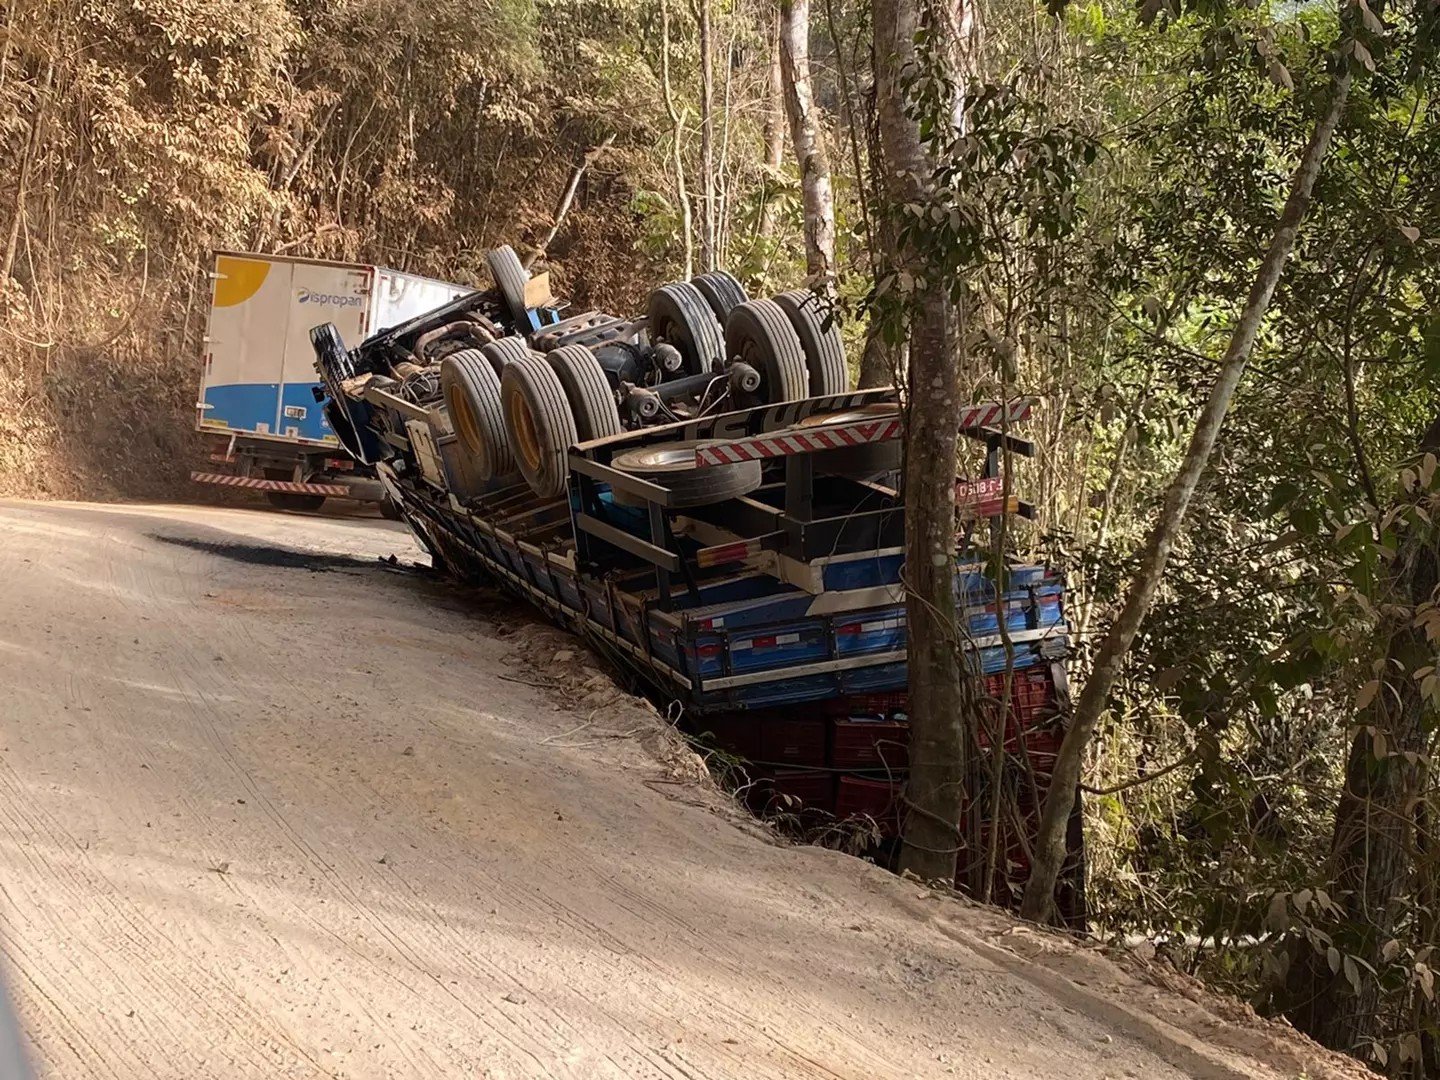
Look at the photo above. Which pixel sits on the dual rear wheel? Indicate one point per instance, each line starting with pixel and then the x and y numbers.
pixel 515 410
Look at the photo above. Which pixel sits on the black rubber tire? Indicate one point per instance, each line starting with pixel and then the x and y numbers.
pixel 819 334
pixel 472 396
pixel 688 485
pixel 680 315
pixel 505 351
pixel 510 277
pixel 592 402
pixel 759 333
pixel 539 423
pixel 339 420
pixel 330 348
pixel 295 500
pixel 864 461
pixel 721 291
pixel 290 500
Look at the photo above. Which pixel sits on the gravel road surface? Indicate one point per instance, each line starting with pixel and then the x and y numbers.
pixel 270 807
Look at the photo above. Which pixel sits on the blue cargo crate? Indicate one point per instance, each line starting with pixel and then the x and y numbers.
pixel 862 571
pixel 874 631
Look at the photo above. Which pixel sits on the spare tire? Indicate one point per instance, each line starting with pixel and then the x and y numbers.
pixel 472 396
pixel 759 333
pixel 816 325
pixel 505 351
pixel 864 461
pixel 592 402
pixel 721 291
pixel 672 466
pixel 681 316
pixel 510 278
pixel 539 423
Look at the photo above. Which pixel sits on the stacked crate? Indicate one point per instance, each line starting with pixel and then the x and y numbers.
pixel 847 758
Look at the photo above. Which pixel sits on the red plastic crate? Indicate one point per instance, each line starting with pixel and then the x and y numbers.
pixel 737 734
pixel 879 799
pixel 869 704
pixel 797 742
pixel 1032 693
pixel 869 744
pixel 792 791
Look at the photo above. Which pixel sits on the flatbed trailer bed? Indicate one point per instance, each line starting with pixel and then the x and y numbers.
pixel 746 565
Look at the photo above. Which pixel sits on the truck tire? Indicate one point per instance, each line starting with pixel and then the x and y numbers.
pixel 330 348
pixel 721 291
pixel 759 333
pixel 505 351
pixel 681 316
pixel 672 466
pixel 472 396
pixel 864 461
pixel 539 423
pixel 298 501
pixel 819 332
pixel 510 277
pixel 592 402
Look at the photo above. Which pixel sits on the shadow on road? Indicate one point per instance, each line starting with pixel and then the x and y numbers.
pixel 317 562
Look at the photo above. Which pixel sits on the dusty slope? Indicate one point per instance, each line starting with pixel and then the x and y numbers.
pixel 301 820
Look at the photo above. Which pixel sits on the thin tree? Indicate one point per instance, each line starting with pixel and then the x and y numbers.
pixel 774 132
pixel 709 231
pixel 677 134
pixel 806 136
pixel 940 694
pixel 1372 856
pixel 1049 856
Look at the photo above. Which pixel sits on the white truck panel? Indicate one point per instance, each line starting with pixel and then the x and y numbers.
pixel 399 296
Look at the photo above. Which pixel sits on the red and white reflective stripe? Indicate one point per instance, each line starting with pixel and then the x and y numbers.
pixel 728 553
pixel 869 627
pixel 288 486
pixel 809 440
pixel 766 642
pixel 797 441
pixel 989 413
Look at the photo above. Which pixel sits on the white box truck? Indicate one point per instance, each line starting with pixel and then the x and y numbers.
pixel 256 403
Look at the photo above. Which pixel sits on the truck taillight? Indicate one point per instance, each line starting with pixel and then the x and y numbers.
pixel 342 464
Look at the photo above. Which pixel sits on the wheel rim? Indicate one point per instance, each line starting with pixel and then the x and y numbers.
pixel 522 423
pixel 850 416
pixel 760 359
pixel 678 457
pixel 463 417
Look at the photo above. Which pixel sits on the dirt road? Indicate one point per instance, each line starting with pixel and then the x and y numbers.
pixel 269 808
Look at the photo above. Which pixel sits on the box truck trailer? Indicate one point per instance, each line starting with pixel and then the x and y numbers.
pixel 257 405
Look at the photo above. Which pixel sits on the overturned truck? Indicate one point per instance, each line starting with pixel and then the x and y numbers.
pixel 698 493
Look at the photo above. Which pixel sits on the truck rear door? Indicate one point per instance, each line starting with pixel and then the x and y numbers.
pixel 245 344
pixel 320 293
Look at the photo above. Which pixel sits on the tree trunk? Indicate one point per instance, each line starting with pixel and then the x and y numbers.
pixel 805 134
pixel 1370 857
pixel 1050 844
pixel 27 161
pixel 774 130
pixel 878 362
pixel 567 197
pixel 941 696
pixel 708 231
pixel 677 132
